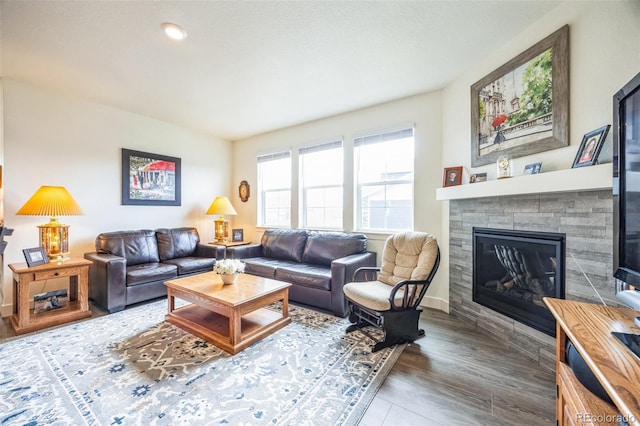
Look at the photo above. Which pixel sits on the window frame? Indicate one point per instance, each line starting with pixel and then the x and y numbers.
pixel 335 143
pixel 261 205
pixel 370 138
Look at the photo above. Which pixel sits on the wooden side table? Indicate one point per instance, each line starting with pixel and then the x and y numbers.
pixel 230 244
pixel 24 320
pixel 589 327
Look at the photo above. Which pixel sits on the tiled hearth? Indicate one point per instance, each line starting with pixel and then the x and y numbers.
pixel 584 216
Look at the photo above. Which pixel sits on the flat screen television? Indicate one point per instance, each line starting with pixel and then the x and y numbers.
pixel 626 188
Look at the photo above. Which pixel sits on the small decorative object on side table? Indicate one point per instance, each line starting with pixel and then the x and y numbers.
pixel 24 320
pixel 35 256
pixel 237 235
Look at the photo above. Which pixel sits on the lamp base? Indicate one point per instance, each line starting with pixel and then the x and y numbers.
pixel 59 258
pixel 54 238
pixel 222 230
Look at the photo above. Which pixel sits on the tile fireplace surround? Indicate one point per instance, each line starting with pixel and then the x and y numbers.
pixel 576 202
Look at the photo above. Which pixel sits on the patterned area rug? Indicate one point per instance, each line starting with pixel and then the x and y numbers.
pixel 133 368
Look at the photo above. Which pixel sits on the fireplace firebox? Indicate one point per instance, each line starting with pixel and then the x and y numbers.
pixel 514 270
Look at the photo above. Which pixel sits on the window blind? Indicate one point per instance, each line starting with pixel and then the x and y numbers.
pixel 274 156
pixel 321 147
pixel 383 136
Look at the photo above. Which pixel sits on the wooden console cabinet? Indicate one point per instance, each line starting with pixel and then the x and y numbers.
pixel 24 320
pixel 589 327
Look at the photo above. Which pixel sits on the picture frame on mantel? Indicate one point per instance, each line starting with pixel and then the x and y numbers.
pixel 452 176
pixel 590 147
pixel 522 107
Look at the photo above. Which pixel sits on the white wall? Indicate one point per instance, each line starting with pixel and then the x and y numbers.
pixel 423 110
pixel 604 40
pixel 604 55
pixel 50 139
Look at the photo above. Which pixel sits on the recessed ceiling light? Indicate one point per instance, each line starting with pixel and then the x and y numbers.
pixel 174 31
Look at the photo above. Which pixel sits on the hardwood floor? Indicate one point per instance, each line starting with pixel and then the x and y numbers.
pixel 457 376
pixel 452 376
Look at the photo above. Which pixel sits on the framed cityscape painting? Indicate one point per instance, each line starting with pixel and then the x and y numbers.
pixel 522 108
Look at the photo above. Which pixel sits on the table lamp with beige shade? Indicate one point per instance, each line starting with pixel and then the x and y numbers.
pixel 52 201
pixel 221 206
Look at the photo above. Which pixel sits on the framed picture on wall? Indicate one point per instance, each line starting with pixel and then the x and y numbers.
pixel 522 107
pixel 150 179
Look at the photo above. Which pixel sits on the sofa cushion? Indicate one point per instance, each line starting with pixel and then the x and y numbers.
pixel 140 274
pixel 305 275
pixel 190 265
pixel 322 248
pixel 284 244
pixel 263 266
pixel 177 242
pixel 136 247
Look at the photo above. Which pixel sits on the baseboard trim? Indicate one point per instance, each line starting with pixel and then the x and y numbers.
pixel 6 310
pixel 435 303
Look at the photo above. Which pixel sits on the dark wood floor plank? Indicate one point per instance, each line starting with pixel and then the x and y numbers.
pixel 456 375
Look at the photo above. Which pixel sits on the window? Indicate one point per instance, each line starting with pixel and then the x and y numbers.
pixel 274 189
pixel 321 182
pixel 384 180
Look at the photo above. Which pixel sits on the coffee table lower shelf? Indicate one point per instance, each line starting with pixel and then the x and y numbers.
pixel 215 328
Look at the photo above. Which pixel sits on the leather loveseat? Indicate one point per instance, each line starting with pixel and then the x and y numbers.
pixel 317 264
pixel 132 266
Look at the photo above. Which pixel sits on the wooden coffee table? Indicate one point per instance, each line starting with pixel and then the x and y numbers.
pixel 232 316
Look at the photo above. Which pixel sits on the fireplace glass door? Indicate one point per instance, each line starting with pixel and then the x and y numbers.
pixel 514 270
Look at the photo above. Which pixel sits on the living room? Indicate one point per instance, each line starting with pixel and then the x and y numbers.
pixel 51 137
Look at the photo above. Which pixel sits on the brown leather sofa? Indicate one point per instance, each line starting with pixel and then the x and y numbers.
pixel 317 264
pixel 132 266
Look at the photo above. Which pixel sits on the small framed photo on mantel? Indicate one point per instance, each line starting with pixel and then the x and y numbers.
pixel 533 168
pixel 478 177
pixel 452 176
pixel 590 147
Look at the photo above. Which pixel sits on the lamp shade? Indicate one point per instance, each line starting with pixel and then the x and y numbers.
pixel 221 206
pixel 51 201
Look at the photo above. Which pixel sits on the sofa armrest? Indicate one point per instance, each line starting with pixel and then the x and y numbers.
pixel 244 252
pixel 342 270
pixel 108 280
pixel 210 250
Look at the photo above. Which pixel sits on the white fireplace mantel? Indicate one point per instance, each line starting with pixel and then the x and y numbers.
pixel 590 178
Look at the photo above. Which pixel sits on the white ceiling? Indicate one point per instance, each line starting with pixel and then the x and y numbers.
pixel 253 66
